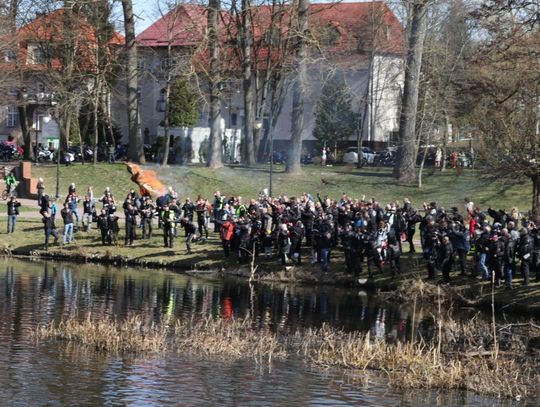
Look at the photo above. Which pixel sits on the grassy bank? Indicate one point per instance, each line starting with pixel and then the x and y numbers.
pixel 448 188
pixel 471 360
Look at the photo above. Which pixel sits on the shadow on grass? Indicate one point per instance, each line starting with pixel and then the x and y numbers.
pixel 30 248
pixel 371 173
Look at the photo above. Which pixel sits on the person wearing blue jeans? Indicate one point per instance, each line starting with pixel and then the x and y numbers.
pixel 486 275
pixel 482 245
pixel 12 211
pixel 67 217
pixel 326 243
pixel 72 201
pixel 325 254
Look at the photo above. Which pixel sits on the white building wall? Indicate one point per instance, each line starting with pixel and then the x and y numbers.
pixel 387 74
pixel 388 77
pixel 190 143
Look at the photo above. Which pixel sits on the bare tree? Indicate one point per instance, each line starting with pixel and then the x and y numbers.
pixel 135 147
pixel 215 149
pixel 299 87
pixel 405 169
pixel 504 94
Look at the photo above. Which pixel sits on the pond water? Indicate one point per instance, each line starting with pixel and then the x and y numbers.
pixel 34 293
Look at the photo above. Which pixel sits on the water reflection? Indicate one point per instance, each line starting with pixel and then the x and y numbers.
pixel 37 293
pixel 45 292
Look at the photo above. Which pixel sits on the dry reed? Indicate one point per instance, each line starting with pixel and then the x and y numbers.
pixel 233 339
pixel 419 365
pixel 107 335
pixel 452 361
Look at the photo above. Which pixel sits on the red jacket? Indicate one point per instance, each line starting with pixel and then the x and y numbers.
pixel 226 230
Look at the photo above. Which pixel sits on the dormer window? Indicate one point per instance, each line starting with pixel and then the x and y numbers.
pixel 36 55
pixel 388 32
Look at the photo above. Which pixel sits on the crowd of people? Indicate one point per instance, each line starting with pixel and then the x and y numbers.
pixel 317 230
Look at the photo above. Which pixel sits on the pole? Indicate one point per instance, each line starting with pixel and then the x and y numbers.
pixel 271 161
pixel 36 147
pixel 58 172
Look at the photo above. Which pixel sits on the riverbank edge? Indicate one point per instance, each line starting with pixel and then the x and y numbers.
pixel 304 275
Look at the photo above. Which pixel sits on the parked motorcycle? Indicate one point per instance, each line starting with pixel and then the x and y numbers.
pixel 44 154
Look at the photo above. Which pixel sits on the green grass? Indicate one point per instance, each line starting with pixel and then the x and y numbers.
pixel 99 177
pixel 29 238
pixel 22 208
pixel 447 188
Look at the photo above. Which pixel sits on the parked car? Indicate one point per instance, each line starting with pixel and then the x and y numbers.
pixel 351 156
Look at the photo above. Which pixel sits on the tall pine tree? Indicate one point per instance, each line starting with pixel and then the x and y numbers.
pixel 334 119
pixel 183 105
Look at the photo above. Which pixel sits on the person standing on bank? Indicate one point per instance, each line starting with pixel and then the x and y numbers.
pixel 131 224
pixel 67 217
pixel 12 212
pixel 168 222
pixel 40 190
pixel 49 228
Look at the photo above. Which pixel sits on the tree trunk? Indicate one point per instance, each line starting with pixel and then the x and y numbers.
pixel 405 170
pixel 96 123
pixel 105 108
pixel 135 145
pixel 27 137
pixel 65 130
pixel 166 126
pixel 248 151
pixel 423 163
pixel 299 91
pixel 256 141
pixel 214 159
pixel 535 210
pixel 444 162
pixel 80 143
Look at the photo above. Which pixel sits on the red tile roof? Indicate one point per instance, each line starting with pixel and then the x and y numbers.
pixel 186 25
pixel 49 29
pixel 354 22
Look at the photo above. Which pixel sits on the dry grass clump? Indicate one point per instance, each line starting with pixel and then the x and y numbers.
pixel 131 335
pixel 419 365
pixel 230 338
pixel 480 366
pixel 233 339
pixel 428 293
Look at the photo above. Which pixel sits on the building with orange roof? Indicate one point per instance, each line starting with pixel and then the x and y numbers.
pixel 28 58
pixel 364 41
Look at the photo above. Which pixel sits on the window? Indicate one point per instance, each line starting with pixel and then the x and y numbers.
pixel 11 118
pixel 234 119
pixel 388 32
pixel 10 56
pixel 141 64
pixel 165 64
pixel 160 106
pixel 37 56
pixel 161 103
